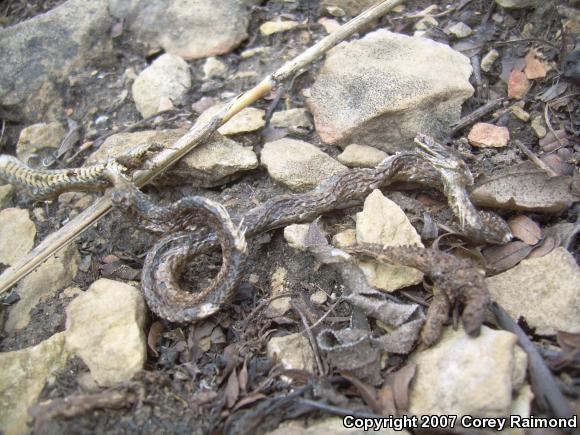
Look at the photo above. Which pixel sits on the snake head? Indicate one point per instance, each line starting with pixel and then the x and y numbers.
pixel 442 158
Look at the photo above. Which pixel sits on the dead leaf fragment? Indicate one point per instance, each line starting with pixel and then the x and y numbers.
pixel 232 391
pixel 525 229
pixel 547 246
pixel 504 257
pixel 524 187
pixel 401 381
pixel 153 337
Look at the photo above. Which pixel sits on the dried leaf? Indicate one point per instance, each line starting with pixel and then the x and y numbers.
pixel 153 337
pixel 569 340
pixel 524 187
pixel 547 246
pixel 232 391
pixel 504 257
pixel 387 400
pixel 401 381
pixel 252 398
pixel 243 377
pixel 525 229
pixel 366 391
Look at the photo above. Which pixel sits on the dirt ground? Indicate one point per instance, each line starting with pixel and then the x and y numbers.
pixel 182 389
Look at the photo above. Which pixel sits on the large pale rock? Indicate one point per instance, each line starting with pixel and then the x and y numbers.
pixel 191 29
pixel 52 275
pixel 384 222
pixel 329 425
pixel 545 291
pixel 38 54
pixel 17 234
pixel 297 164
pixel 23 374
pixel 361 156
pixel 292 351
pixel 104 327
pixel 374 92
pixel 247 120
pixel 463 375
pixel 168 77
pixel 38 136
pixel 517 4
pixel 214 162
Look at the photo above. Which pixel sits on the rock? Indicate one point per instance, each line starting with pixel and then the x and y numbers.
pixel 297 164
pixel 248 120
pixel 376 81
pixel 39 136
pixel 426 23
pixel 251 52
pixel 23 374
pixel 484 135
pixel 280 306
pixel 52 275
pixel 382 221
pixel 291 118
pixel 104 327
pixel 271 27
pixel 168 76
pixel 460 30
pixel 190 29
pixel 325 426
pixel 545 291
pixel 39 54
pixel 349 7
pixel 213 68
pixel 295 235
pixel 330 25
pixel 292 351
pixel 517 4
pixel 488 60
pixel 344 239
pixel 520 113
pixel 6 192
pixel 464 375
pixel 518 84
pixel 17 234
pixel 319 297
pixel 361 156
pixel 539 127
pixel 535 69
pixel 212 163
pixel 335 11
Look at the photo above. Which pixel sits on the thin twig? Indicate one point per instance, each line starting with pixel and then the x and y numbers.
pixel 477 114
pixel 311 338
pixel 535 159
pixel 547 393
pixel 185 144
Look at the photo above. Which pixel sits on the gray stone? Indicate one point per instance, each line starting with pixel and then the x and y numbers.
pixel 23 374
pixel 361 156
pixel 295 235
pixel 40 53
pixel 104 327
pixel 191 29
pixel 39 136
pixel 6 192
pixel 167 77
pixel 291 118
pixel 214 162
pixel 517 4
pixel 319 297
pixel 460 30
pixel 384 222
pixel 545 291
pixel 52 275
pixel 247 120
pixel 373 91
pixel 297 164
pixel 214 68
pixel 17 234
pixel 463 375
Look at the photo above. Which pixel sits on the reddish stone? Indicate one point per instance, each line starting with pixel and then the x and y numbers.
pixel 518 85
pixel 484 135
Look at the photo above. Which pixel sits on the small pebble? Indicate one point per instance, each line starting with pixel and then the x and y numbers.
pixel 319 297
pixel 488 60
pixel 460 30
